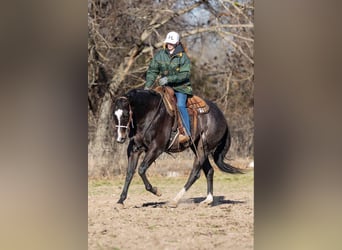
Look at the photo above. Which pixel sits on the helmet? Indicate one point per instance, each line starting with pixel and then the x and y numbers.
pixel 172 37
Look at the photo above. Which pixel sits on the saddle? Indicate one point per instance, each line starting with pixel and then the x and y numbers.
pixel 195 106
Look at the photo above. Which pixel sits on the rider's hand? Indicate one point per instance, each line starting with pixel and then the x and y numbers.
pixel 163 81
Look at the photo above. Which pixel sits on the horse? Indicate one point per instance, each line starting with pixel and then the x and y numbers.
pixel 142 116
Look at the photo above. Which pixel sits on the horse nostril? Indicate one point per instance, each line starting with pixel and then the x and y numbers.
pixel 121 140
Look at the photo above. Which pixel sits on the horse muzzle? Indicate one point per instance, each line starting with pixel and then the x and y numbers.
pixel 121 133
pixel 121 139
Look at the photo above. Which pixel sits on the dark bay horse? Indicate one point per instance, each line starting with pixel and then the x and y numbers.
pixel 142 116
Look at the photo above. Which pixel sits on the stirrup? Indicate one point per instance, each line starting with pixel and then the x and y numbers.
pixel 173 138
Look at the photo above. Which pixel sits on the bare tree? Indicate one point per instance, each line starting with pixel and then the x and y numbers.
pixel 123 36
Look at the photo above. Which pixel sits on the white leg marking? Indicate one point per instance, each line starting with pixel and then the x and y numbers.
pixel 208 200
pixel 179 195
pixel 118 114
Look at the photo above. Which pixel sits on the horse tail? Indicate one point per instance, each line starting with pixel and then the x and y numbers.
pixel 220 153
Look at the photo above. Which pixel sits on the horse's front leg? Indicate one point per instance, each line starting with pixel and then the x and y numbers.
pixel 133 157
pixel 150 156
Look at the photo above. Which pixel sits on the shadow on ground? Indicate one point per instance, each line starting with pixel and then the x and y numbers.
pixel 218 200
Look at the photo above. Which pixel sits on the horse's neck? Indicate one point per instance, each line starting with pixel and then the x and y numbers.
pixel 145 106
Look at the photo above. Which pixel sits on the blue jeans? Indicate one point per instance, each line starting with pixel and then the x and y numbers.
pixel 181 104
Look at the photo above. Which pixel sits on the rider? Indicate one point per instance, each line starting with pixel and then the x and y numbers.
pixel 173 65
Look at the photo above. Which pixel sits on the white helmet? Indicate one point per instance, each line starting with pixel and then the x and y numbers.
pixel 172 37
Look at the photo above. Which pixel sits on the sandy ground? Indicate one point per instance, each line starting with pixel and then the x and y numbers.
pixel 147 222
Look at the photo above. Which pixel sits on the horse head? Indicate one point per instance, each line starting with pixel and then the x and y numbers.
pixel 122 115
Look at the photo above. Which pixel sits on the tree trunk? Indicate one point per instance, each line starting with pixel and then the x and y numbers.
pixel 99 147
pixel 100 151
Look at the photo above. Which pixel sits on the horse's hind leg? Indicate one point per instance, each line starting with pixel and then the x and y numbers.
pixel 151 156
pixel 209 174
pixel 194 175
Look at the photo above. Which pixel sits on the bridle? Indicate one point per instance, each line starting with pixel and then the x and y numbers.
pixel 130 119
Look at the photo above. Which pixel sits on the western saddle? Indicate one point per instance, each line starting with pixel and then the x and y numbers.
pixel 195 106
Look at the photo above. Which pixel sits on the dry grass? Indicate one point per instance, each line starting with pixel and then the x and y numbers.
pixel 179 164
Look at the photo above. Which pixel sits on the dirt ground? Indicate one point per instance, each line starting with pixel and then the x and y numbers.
pixel 147 222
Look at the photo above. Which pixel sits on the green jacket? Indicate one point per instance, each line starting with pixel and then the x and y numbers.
pixel 176 68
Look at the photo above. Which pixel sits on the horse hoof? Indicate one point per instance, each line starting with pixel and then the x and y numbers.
pixel 172 204
pixel 205 204
pixel 119 206
pixel 157 192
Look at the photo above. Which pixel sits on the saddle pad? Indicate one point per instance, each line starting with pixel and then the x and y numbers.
pixel 196 102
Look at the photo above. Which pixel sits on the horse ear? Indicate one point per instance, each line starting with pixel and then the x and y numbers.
pixel 130 94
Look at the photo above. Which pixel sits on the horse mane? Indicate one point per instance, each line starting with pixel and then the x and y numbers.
pixel 142 97
pixel 131 93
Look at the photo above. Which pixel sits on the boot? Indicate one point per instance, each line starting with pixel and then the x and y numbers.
pixel 183 138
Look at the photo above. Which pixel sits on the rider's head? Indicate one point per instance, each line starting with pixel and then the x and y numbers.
pixel 171 40
pixel 172 37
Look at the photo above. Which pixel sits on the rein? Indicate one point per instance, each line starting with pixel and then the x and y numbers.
pixel 130 120
pixel 154 116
